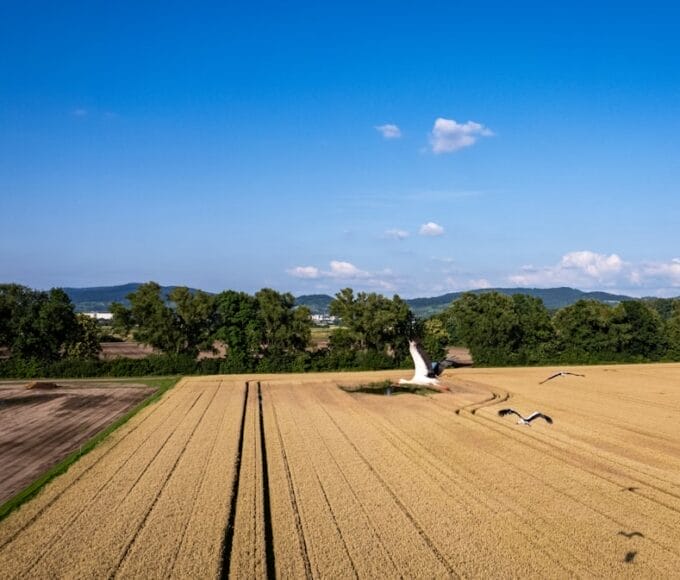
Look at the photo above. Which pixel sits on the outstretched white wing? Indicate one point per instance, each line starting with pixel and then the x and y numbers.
pixel 422 374
pixel 420 359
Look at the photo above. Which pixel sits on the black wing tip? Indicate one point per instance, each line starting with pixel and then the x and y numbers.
pixel 548 419
pixel 504 412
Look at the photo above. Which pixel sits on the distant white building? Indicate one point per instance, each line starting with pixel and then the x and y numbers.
pixel 98 315
pixel 324 319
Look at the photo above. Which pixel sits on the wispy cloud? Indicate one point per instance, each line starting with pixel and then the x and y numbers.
pixel 448 136
pixel 344 272
pixel 389 131
pixel 304 272
pixel 396 234
pixel 80 112
pixel 431 229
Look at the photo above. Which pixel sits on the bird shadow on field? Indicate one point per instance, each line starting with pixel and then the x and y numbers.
pixel 630 535
pixel 630 557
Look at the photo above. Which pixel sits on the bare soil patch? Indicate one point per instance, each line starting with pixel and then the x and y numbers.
pixel 39 426
pixel 125 349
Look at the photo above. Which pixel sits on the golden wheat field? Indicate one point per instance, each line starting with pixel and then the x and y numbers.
pixel 290 476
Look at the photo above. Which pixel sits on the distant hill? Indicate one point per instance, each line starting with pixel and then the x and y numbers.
pixel 553 298
pixel 317 303
pixel 99 298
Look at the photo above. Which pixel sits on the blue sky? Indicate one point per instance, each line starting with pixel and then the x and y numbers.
pixel 417 148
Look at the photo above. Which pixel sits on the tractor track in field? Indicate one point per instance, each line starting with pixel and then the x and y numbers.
pixel 229 530
pixel 303 550
pixel 270 555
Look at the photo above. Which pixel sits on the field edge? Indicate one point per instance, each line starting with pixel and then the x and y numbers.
pixel 162 385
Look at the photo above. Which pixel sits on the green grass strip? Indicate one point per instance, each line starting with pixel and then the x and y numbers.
pixel 162 386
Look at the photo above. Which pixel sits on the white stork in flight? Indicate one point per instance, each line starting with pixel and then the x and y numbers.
pixel 525 420
pixel 560 374
pixel 426 372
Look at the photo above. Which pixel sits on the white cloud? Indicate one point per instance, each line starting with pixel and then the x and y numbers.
pixel 431 229
pixel 592 271
pixel 448 136
pixel 389 131
pixel 304 272
pixel 665 272
pixel 341 272
pixel 345 270
pixel 396 234
pixel 583 269
pixel 592 264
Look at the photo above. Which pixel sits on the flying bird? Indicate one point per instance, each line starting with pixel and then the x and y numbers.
pixel 525 420
pixel 560 374
pixel 426 372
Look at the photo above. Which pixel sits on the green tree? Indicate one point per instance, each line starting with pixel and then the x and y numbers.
pixel 285 329
pixel 238 326
pixel 86 343
pixel 585 332
pixel 435 339
pixel 489 327
pixel 639 330
pixel 535 339
pixel 152 320
pixel 673 331
pixel 195 318
pixel 371 323
pixel 122 322
pixel 36 324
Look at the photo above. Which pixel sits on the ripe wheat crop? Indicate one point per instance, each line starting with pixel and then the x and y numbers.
pixel 291 476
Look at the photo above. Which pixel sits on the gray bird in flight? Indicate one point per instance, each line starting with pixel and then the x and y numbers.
pixel 560 374
pixel 525 420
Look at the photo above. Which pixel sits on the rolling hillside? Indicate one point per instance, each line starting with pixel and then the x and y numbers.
pixel 99 298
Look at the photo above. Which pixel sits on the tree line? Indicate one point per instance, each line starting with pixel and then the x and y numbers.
pixel 504 330
pixel 266 332
pixel 263 332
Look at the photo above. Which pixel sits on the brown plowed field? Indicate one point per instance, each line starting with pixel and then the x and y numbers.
pixel 39 427
pixel 288 475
